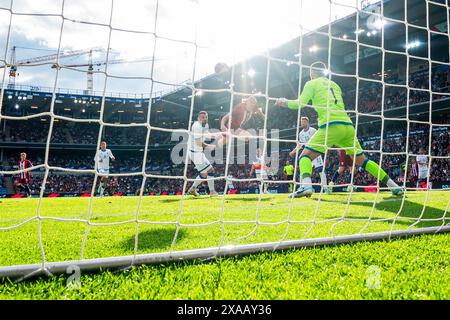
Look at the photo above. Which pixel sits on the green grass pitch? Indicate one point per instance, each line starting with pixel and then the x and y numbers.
pixel 411 268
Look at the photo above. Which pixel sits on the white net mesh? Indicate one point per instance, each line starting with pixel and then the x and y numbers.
pixel 390 58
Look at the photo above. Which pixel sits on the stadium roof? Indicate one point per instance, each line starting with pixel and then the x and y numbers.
pixel 344 33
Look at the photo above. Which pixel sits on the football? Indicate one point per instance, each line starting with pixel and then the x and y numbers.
pixel 221 68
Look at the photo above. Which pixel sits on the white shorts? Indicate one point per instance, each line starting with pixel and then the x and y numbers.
pixel 103 171
pixel 230 186
pixel 261 174
pixel 318 162
pixel 423 174
pixel 200 161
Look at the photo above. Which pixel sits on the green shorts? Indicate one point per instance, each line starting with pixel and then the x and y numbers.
pixel 339 135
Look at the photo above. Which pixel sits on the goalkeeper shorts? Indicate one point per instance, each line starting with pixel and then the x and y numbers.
pixel 341 135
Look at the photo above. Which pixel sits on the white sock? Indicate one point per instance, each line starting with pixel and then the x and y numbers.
pixel 211 184
pixel 263 188
pixel 323 179
pixel 197 181
pixel 306 182
pixel 392 184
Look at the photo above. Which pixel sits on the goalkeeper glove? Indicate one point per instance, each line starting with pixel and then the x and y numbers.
pixel 281 102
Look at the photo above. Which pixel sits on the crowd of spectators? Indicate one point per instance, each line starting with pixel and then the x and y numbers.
pixel 85 133
pixel 71 182
pixel 66 132
pixel 2 185
pixel 369 100
pixel 370 95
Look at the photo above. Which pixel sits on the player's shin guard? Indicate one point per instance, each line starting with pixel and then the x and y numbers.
pixel 306 171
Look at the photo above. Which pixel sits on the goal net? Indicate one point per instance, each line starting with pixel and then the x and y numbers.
pixel 137 75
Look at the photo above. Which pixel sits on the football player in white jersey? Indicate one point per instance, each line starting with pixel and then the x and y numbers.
pixel 230 185
pixel 196 145
pixel 422 163
pixel 304 136
pixel 259 167
pixel 102 161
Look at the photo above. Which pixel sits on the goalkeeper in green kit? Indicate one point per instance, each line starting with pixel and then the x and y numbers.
pixel 326 97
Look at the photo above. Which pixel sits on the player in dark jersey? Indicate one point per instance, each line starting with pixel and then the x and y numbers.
pixel 345 162
pixel 244 117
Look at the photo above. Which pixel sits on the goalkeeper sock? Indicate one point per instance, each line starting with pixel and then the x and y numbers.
pixel 211 183
pixel 391 184
pixel 306 171
pixel 100 187
pixel 373 168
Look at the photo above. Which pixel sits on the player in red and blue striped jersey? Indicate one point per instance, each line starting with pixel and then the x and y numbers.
pixel 24 176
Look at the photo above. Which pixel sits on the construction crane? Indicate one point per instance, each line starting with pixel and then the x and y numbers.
pixel 91 64
pixel 36 61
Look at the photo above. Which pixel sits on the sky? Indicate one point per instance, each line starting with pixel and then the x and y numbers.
pixel 224 30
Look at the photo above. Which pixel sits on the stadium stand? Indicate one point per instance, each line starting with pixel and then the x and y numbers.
pixel 73 144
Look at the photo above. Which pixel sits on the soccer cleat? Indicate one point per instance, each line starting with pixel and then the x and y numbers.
pixel 397 191
pixel 331 186
pixel 193 192
pixel 213 194
pixel 302 192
